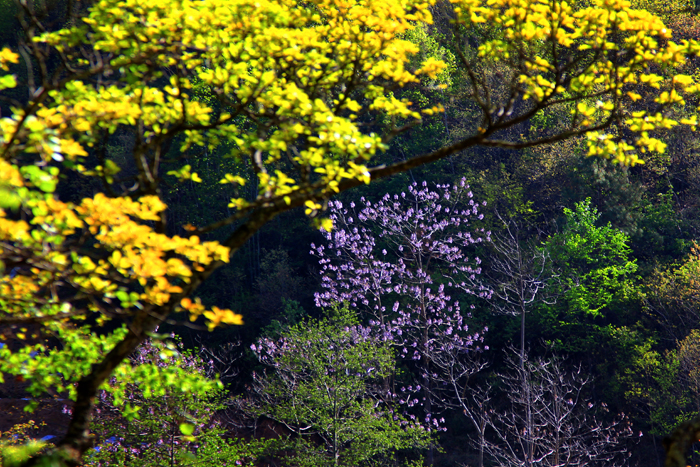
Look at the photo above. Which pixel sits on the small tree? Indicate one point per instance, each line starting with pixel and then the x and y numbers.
pixel 324 385
pixel 455 389
pixel 666 385
pixel 161 429
pixel 519 275
pixel 174 426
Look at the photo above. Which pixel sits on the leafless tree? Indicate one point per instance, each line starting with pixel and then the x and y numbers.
pixel 455 389
pixel 518 275
pixel 479 411
pixel 452 387
pixel 550 424
pixel 221 360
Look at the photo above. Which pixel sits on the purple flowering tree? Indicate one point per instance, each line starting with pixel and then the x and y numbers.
pixel 399 261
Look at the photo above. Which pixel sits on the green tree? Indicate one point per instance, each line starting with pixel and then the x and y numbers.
pixel 325 383
pixel 596 276
pixel 653 386
pixel 665 387
pixel 162 433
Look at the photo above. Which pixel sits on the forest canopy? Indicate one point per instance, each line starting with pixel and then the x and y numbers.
pixel 145 143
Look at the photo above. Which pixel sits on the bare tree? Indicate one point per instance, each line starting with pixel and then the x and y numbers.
pixel 550 424
pixel 222 359
pixel 479 412
pixel 518 275
pixel 454 389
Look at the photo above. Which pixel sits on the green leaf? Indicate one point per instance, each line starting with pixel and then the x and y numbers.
pixel 122 295
pixel 9 199
pixel 7 82
pixel 186 429
pixel 31 407
pixel 44 181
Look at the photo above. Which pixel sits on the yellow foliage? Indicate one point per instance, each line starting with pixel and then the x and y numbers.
pixel 298 66
pixel 531 29
pixel 7 56
pixel 217 316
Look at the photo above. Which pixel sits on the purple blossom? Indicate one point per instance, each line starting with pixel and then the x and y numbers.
pixel 425 242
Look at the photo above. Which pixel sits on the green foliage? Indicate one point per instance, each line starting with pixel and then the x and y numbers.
pixel 61 368
pixel 672 297
pixel 326 384
pixel 165 420
pixel 594 260
pixel 596 283
pixel 663 233
pixel 429 45
pixel 216 450
pixel 666 385
pixel 652 379
pixel 58 368
pixel 292 314
pixel 611 189
pixel 504 193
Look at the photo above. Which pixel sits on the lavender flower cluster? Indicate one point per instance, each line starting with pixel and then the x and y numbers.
pixel 399 261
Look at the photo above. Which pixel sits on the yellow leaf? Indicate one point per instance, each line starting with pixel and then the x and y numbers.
pixel 7 56
pixel 326 224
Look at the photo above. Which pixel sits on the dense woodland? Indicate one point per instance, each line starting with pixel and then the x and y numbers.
pixel 520 304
